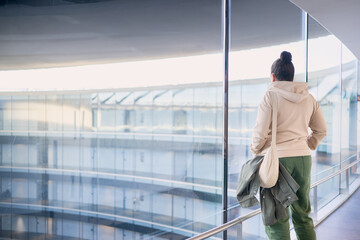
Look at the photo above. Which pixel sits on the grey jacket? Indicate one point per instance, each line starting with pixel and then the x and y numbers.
pixel 275 200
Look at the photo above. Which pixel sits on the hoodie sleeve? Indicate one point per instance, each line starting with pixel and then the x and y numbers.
pixel 318 127
pixel 262 126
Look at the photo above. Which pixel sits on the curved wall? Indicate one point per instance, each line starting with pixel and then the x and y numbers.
pixel 129 146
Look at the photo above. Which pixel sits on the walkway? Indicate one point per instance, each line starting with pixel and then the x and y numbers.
pixel 344 223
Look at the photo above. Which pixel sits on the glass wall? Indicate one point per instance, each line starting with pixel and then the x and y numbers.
pixel 349 80
pixel 110 126
pixel 324 77
pixel 255 43
pixel 111 113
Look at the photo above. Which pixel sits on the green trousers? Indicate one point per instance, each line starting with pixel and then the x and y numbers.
pixel 300 170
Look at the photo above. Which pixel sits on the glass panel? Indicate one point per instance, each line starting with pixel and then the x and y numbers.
pixel 254 47
pixel 348 112
pixel 20 115
pixel 354 173
pixel 54 117
pixel 326 192
pixel 354 170
pixel 6 187
pixel 324 83
pixel 324 65
pixel 349 106
pixel 109 126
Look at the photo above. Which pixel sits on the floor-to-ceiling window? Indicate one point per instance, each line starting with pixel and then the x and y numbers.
pixel 111 113
pixel 324 77
pixel 111 118
pixel 349 109
pixel 260 31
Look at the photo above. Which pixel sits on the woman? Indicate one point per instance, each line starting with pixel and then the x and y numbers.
pixel 297 110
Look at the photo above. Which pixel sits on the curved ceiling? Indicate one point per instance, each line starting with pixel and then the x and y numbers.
pixel 34 35
pixel 59 33
pixel 341 18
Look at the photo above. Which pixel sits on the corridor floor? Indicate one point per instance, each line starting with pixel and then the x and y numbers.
pixel 344 223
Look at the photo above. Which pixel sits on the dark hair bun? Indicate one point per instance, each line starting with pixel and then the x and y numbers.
pixel 286 57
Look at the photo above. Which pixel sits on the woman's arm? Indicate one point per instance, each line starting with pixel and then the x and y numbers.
pixel 318 127
pixel 262 126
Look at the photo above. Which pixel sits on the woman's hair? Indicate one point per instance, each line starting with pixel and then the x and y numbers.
pixel 283 68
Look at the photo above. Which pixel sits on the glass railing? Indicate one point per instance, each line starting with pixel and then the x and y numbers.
pixel 237 229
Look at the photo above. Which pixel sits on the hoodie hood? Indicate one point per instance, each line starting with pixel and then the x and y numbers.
pixel 291 91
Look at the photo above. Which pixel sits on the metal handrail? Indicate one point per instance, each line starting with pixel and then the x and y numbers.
pixel 334 174
pixel 225 226
pixel 243 218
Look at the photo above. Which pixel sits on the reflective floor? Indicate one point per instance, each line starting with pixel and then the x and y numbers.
pixel 343 223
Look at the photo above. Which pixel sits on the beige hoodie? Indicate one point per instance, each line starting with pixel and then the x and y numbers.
pixel 297 110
